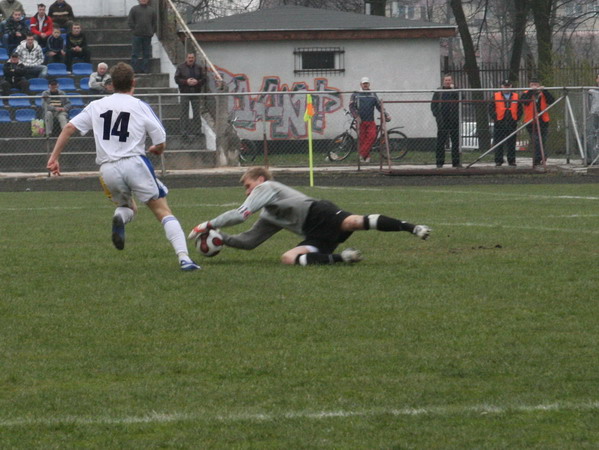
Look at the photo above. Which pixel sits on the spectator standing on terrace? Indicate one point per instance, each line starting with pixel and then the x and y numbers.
pixel 16 29
pixel 14 76
pixel 362 105
pixel 190 78
pixel 76 47
pixel 55 47
pixel 62 14
pixel 41 25
pixel 100 81
pixel 445 108
pixel 142 21
pixel 540 98
pixel 32 57
pixel 56 105
pixel 593 122
pixel 505 110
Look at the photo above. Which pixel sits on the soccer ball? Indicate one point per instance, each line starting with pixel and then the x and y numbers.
pixel 209 243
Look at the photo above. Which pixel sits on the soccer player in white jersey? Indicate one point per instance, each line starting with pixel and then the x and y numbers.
pixel 322 224
pixel 120 123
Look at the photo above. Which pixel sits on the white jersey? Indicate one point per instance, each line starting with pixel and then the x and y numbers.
pixel 120 123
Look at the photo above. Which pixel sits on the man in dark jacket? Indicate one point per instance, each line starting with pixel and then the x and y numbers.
pixel 142 22
pixel 505 110
pixel 62 14
pixel 534 103
pixel 76 47
pixel 14 76
pixel 445 108
pixel 190 79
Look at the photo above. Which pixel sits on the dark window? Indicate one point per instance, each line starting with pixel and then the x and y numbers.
pixel 319 60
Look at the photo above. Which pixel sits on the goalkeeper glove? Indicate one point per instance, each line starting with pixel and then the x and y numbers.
pixel 199 229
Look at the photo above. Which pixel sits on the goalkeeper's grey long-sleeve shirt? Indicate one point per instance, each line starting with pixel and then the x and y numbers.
pixel 282 208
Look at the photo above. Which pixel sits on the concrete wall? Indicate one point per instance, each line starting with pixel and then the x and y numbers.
pixel 269 66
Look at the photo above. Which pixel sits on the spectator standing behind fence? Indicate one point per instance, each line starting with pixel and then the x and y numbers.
pixel 542 98
pixel 56 105
pixel 14 76
pixel 76 47
pixel 505 110
pixel 55 47
pixel 446 109
pixel 362 105
pixel 142 22
pixel 62 14
pixel 100 81
pixel 32 57
pixel 41 25
pixel 593 123
pixel 190 78
pixel 16 29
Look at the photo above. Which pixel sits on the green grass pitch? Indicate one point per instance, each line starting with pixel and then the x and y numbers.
pixel 484 336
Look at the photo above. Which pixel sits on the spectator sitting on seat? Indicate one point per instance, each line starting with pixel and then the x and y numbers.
pixel 55 47
pixel 56 105
pixel 7 7
pixel 76 47
pixel 41 25
pixel 100 82
pixel 16 28
pixel 32 57
pixel 62 14
pixel 14 76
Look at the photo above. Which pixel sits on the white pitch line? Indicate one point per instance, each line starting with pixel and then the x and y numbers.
pixel 155 417
pixel 515 227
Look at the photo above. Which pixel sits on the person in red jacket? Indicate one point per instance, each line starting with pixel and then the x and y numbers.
pixel 537 98
pixel 505 110
pixel 41 25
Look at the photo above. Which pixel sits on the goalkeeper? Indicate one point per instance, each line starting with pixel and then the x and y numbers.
pixel 321 223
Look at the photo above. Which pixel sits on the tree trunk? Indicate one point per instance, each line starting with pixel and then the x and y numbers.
pixel 473 74
pixel 541 13
pixel 519 37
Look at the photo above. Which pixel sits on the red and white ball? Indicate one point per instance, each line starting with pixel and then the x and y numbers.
pixel 209 243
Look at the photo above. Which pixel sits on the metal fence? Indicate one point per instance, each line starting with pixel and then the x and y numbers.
pixel 269 128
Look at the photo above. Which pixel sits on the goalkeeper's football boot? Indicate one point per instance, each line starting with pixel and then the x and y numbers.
pixel 189 266
pixel 118 232
pixel 351 255
pixel 422 231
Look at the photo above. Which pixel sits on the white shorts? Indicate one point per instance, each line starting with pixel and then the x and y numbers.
pixel 131 176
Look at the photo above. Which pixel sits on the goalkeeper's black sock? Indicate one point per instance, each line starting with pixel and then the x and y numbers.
pixel 308 259
pixel 384 223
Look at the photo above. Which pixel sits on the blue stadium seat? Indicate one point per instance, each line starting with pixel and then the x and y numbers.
pixel 17 101
pixel 84 84
pixel 4 115
pixel 38 84
pixel 57 69
pixel 75 99
pixel 74 111
pixel 25 115
pixel 3 54
pixel 1 69
pixel 38 102
pixel 66 84
pixel 82 69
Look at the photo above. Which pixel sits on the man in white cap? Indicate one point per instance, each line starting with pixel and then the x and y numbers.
pixel 361 105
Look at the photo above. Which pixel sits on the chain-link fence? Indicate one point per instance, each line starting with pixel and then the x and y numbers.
pixel 269 128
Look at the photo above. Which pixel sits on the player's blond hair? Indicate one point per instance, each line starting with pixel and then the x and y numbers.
pixel 254 172
pixel 122 77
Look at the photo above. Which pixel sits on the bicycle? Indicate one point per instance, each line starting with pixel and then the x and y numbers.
pixel 248 151
pixel 345 143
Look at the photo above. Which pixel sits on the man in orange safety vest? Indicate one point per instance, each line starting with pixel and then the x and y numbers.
pixel 537 97
pixel 505 110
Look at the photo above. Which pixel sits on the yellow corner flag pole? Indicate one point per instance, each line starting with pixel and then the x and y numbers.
pixel 308 118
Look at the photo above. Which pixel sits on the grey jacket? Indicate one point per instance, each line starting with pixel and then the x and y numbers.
pixel 52 101
pixel 142 20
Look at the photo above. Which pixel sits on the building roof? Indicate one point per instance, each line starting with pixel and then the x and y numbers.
pixel 302 20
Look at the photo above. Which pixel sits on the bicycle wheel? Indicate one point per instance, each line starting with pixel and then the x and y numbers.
pixel 398 145
pixel 247 150
pixel 341 147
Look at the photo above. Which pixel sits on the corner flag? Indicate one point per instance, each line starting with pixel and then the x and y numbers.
pixel 308 118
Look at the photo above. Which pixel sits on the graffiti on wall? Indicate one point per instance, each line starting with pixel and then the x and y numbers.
pixel 283 114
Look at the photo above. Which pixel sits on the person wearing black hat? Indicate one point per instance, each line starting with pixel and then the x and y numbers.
pixel 445 107
pixel 534 102
pixel 505 110
pixel 14 76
